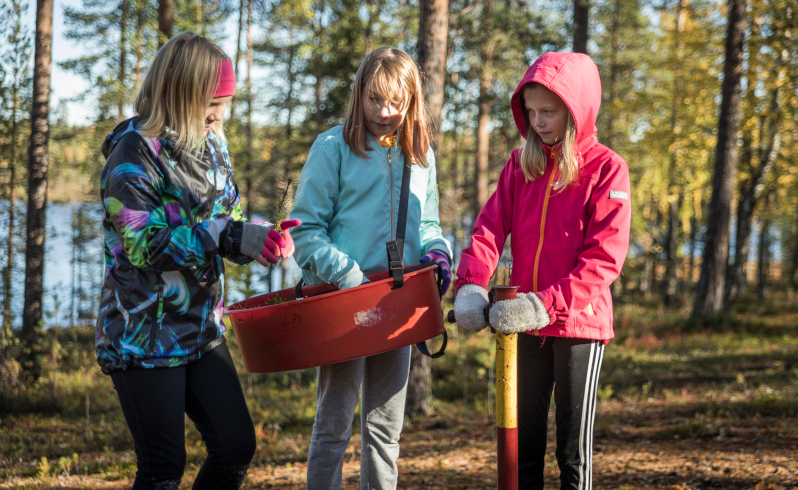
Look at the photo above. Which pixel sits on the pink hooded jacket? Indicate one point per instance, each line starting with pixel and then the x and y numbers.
pixel 567 246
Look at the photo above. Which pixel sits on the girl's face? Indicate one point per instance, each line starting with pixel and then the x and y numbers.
pixel 215 111
pixel 383 117
pixel 548 114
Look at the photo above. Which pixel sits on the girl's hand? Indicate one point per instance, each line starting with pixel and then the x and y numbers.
pixel 469 307
pixel 261 242
pixel 288 249
pixel 524 313
pixel 442 260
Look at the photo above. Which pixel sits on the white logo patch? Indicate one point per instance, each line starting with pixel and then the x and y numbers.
pixel 619 195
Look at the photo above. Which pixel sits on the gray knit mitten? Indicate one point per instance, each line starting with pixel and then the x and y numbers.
pixel 524 313
pixel 469 307
pixel 253 237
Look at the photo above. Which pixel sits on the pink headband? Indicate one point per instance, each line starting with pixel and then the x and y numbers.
pixel 227 79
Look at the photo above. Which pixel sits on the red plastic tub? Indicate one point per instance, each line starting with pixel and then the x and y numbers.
pixel 326 326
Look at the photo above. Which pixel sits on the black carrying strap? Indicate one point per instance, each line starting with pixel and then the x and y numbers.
pixel 396 248
pixel 422 346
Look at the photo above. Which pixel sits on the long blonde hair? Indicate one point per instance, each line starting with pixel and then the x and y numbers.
pixel 392 74
pixel 178 88
pixel 533 156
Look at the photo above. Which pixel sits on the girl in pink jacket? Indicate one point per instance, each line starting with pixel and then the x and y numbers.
pixel 564 197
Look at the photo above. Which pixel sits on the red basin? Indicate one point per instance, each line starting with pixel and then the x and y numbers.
pixel 336 325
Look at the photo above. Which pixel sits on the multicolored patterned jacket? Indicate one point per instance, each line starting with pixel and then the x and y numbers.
pixel 168 223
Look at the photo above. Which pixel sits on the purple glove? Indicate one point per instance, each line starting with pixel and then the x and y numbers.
pixel 442 260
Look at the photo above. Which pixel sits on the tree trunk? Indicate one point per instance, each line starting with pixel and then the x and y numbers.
pixel 198 20
pixel 764 254
pixel 709 294
pixel 5 328
pixel 581 8
pixel 693 240
pixel 165 20
pixel 794 265
pixel 750 193
pixel 318 61
pixel 124 8
pixel 37 191
pixel 139 45
pixel 249 130
pixel 368 36
pixel 238 55
pixel 671 282
pixel 432 36
pixel 485 80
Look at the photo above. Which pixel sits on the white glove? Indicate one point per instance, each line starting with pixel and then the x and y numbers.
pixel 469 307
pixel 526 312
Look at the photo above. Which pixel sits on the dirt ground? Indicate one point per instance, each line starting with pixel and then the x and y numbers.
pixel 680 407
pixel 461 454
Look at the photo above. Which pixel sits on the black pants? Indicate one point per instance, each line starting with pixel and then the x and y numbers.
pixel 208 391
pixel 571 367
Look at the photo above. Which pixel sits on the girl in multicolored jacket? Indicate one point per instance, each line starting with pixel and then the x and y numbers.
pixel 565 199
pixel 172 213
pixel 348 201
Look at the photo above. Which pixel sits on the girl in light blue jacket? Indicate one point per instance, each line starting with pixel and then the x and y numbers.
pixel 348 202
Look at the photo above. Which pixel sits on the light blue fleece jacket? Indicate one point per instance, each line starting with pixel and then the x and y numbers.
pixel 345 204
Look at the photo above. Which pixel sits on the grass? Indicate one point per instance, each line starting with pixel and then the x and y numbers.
pixel 677 399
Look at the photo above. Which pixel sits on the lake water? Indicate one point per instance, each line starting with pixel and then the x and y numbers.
pixel 58 265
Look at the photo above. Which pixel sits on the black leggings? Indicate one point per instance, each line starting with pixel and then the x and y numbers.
pixel 571 367
pixel 208 391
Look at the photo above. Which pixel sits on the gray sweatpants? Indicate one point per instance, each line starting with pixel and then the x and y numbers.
pixel 384 388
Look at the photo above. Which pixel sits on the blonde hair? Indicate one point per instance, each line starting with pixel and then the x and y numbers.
pixel 393 75
pixel 533 156
pixel 178 88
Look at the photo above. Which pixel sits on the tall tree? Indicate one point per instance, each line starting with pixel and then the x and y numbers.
pixel 483 120
pixel 15 102
pixel 675 194
pixel 433 28
pixel 709 293
pixel 580 32
pixel 165 21
pixel 37 190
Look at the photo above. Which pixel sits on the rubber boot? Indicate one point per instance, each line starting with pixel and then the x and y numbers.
pixel 227 478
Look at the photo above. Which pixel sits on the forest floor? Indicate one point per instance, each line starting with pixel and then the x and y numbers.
pixel 682 405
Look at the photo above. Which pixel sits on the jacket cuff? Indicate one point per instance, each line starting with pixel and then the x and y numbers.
pixel 236 233
pixel 444 252
pixel 468 280
pixel 548 304
pixel 351 279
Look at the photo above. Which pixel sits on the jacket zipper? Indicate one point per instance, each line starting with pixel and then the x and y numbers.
pixel 156 320
pixel 543 227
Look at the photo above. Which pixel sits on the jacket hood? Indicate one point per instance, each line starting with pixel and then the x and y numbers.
pixel 121 129
pixel 574 77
